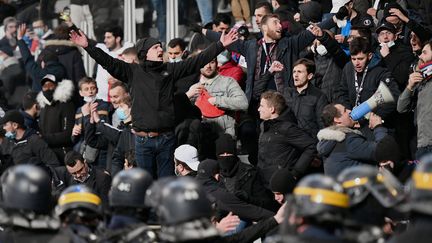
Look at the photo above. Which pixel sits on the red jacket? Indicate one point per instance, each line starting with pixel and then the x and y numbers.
pixel 233 70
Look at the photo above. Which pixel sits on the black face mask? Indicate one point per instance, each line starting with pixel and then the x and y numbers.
pixel 227 164
pixel 48 94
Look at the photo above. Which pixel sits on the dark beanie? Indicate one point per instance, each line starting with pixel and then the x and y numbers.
pixel 13 116
pixel 387 149
pixel 390 5
pixel 226 144
pixel 310 12
pixel 143 45
pixel 208 168
pixel 282 181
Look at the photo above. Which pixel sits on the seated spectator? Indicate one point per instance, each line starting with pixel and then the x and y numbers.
pixel 186 160
pixel 78 171
pixel 27 146
pixel 56 117
pixel 340 145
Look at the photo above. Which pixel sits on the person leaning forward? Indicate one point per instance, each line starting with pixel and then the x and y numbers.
pixel 152 88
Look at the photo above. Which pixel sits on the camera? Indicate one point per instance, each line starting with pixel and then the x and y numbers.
pixel 242 30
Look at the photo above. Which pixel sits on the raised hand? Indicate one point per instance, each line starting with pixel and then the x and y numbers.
pixel 79 39
pixel 228 39
pixel 316 30
pixel 399 14
pixel 276 66
pixel 22 29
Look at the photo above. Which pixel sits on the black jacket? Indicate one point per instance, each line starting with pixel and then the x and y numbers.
pixel 247 184
pixel 56 120
pixel 398 62
pixel 125 146
pixel 307 107
pixel 226 201
pixel 346 94
pixel 29 121
pixel 99 181
pixel 33 149
pixel 104 110
pixel 152 85
pixel 283 144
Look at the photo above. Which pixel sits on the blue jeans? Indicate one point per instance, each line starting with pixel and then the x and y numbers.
pixel 160 7
pixel 205 8
pixel 156 154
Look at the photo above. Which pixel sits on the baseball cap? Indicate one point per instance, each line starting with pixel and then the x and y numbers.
pixel 48 77
pixel 386 26
pixel 337 4
pixel 187 154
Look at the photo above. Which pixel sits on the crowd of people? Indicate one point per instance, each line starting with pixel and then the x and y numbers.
pixel 312 128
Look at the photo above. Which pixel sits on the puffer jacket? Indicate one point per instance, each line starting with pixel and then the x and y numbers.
pixel 56 119
pixel 343 147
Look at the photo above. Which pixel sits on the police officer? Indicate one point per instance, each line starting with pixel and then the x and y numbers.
pixel 314 212
pixel 419 205
pixel 184 210
pixel 26 206
pixel 372 194
pixel 129 213
pixel 80 212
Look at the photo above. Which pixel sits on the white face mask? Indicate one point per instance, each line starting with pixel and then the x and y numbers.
pixel 341 23
pixel 89 99
pixel 389 44
pixel 177 59
pixel 322 50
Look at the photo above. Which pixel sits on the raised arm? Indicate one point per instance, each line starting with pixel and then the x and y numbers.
pixel 194 64
pixel 117 68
